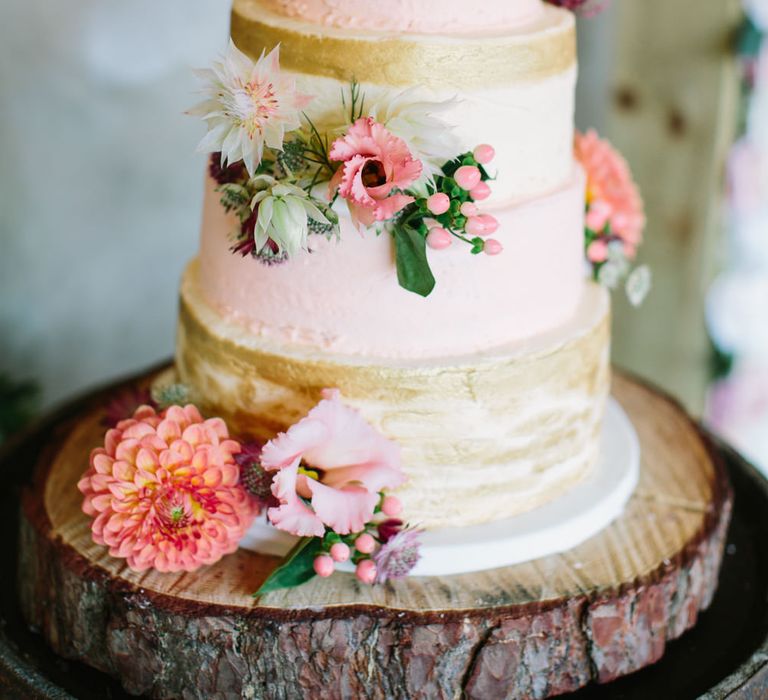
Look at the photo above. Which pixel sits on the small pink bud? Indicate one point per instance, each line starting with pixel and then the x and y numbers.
pixel 480 191
pixel 467 177
pixel 339 552
pixel 484 153
pixel 365 544
pixel 491 223
pixel 323 565
pixel 475 226
pixel 439 239
pixel 597 251
pixel 438 203
pixel 391 506
pixel 492 247
pixel 366 571
pixel 468 209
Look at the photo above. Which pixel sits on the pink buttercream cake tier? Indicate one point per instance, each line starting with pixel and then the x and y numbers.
pixel 343 296
pixel 427 16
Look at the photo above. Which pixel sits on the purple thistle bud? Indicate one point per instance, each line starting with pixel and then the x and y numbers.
pixel 256 480
pixel 397 557
pixel 388 529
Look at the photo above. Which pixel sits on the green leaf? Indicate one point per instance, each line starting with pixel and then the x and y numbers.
pixel 413 271
pixel 297 568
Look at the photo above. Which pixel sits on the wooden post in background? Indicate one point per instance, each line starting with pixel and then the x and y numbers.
pixel 670 84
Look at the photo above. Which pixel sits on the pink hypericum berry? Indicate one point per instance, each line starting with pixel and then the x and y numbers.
pixel 597 251
pixel 365 544
pixel 323 565
pixel 484 153
pixel 391 506
pixel 438 203
pixel 480 191
pixel 366 571
pixel 468 209
pixel 439 239
pixel 492 247
pixel 475 226
pixel 467 177
pixel 339 552
pixel 491 223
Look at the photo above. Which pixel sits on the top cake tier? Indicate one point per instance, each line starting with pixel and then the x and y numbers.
pixel 421 16
pixel 506 71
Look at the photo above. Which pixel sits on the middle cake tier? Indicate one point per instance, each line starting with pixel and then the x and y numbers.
pixel 484 436
pixel 343 295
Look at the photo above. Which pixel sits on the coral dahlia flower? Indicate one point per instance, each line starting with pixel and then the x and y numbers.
pixel 375 165
pixel 331 466
pixel 613 198
pixel 164 491
pixel 249 105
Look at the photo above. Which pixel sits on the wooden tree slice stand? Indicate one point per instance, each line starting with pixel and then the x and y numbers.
pixel 546 627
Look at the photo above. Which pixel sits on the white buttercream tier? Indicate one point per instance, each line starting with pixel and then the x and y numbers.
pixel 344 296
pixel 513 89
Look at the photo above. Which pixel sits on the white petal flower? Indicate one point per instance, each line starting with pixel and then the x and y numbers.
pixel 428 136
pixel 283 217
pixel 249 105
pixel 638 285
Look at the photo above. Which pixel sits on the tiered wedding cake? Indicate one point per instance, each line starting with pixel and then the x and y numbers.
pixel 494 384
pixel 392 360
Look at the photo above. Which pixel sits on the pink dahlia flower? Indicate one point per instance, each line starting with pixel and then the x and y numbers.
pixel 331 466
pixel 164 491
pixel 375 165
pixel 612 195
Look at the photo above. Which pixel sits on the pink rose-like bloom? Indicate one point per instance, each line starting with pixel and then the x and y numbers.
pixel 375 164
pixel 349 463
pixel 164 491
pixel 611 191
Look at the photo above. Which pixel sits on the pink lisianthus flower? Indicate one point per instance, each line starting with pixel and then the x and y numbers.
pixel 376 164
pixel 331 466
pixel 613 198
pixel 164 491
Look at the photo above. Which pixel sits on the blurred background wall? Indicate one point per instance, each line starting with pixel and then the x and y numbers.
pixel 100 189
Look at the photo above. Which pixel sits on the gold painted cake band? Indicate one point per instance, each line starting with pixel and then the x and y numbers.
pixel 469 63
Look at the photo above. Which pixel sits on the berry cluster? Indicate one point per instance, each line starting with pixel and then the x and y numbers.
pixel 450 211
pixel 380 552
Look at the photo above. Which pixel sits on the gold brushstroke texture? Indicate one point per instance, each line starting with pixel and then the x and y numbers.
pixel 387 60
pixel 484 439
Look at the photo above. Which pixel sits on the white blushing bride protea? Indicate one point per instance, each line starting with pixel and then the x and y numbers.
pixel 248 105
pixel 283 211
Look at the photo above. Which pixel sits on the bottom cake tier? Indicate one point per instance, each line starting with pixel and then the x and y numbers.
pixel 484 437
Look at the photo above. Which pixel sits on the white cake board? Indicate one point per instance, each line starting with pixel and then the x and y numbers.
pixel 555 527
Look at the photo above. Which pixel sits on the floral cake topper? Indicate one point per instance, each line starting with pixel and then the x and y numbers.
pixel 392 163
